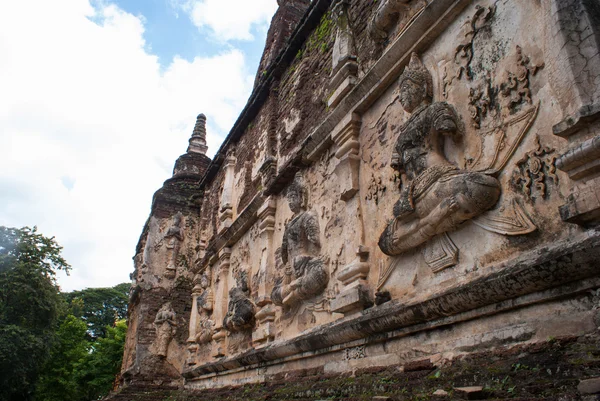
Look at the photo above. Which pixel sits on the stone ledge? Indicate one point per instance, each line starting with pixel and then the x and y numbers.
pixel 571 124
pixel 583 207
pixel 589 386
pixel 535 271
pixel 568 358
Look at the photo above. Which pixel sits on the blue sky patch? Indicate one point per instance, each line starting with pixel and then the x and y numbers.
pixel 170 32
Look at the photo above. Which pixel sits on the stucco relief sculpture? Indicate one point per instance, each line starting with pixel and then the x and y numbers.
pixel 305 275
pixel 165 325
pixel 173 238
pixel 534 170
pixel 438 196
pixel 388 12
pixel 240 311
pixel 205 306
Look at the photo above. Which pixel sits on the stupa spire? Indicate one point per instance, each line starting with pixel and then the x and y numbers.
pixel 198 139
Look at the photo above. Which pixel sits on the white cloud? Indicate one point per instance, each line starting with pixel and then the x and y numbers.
pixel 90 126
pixel 229 19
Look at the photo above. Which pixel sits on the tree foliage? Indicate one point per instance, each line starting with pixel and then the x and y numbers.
pixel 102 365
pixel 78 369
pixel 99 307
pixel 54 346
pixel 88 350
pixel 58 380
pixel 29 307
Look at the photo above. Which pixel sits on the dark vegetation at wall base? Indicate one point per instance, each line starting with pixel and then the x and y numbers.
pixel 80 370
pixel 551 370
pixel 87 348
pixel 30 307
pixel 53 345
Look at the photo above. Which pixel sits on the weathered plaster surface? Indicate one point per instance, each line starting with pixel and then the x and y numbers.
pixel 408 179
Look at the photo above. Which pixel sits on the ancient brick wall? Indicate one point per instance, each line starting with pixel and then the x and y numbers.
pixel 409 180
pixel 303 89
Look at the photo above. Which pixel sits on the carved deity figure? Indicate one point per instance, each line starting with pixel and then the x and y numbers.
pixel 174 237
pixel 205 307
pixel 438 195
pixel 240 311
pixel 305 275
pixel 165 325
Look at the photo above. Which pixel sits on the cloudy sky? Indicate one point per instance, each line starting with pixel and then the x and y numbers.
pixel 98 99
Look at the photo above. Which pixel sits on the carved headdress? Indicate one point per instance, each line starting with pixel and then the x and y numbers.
pixel 298 187
pixel 417 73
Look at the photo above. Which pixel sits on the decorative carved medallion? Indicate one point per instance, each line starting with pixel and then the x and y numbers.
pixel 514 88
pixel 534 170
pixel 375 190
pixel 480 99
pixel 190 227
pixel 354 353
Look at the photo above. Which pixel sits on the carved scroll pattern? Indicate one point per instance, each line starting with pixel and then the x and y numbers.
pixel 534 170
pixel 354 353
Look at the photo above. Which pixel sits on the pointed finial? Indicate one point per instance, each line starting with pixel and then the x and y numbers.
pixel 198 139
pixel 417 73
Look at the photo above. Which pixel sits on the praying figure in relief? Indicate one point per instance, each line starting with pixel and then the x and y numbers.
pixel 437 196
pixel 174 238
pixel 165 325
pixel 205 306
pixel 305 275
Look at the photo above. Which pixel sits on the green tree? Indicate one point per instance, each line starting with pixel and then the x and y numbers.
pixel 99 307
pixel 30 304
pixel 59 378
pixel 101 366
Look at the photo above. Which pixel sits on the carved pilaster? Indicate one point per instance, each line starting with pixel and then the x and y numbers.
pixel 355 294
pixel 346 139
pixel 221 304
pixel 265 316
pixel 201 248
pixel 265 330
pixel 226 206
pixel 268 171
pixel 344 65
pixel 574 23
pixel 194 314
pixel 193 347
